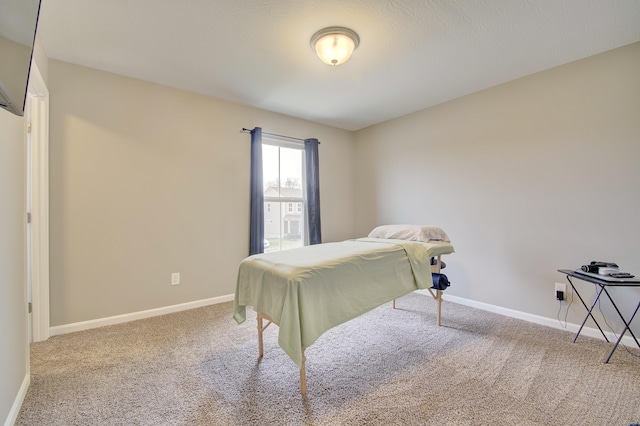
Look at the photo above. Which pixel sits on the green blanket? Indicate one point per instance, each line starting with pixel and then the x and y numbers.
pixel 309 290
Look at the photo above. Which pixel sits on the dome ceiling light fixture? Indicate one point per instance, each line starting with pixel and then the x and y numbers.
pixel 334 45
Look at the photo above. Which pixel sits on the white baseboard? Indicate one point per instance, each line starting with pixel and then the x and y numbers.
pixel 536 319
pixel 101 322
pixel 17 404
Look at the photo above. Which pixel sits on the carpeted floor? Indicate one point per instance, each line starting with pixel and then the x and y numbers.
pixel 388 367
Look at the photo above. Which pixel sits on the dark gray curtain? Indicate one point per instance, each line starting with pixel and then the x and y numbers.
pixel 256 221
pixel 313 190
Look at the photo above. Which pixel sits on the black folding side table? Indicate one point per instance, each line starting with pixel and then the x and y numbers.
pixel 602 284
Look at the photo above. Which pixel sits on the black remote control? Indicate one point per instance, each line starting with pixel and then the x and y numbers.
pixel 621 275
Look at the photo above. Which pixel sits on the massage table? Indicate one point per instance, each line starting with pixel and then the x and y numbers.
pixel 308 290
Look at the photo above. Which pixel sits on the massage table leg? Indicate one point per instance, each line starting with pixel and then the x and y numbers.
pixel 439 301
pixel 261 329
pixel 260 344
pixel 437 295
pixel 303 375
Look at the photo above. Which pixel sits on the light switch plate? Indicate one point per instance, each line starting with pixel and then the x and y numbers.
pixel 175 278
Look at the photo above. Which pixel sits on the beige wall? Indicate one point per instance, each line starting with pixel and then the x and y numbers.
pixel 528 177
pixel 13 303
pixel 147 180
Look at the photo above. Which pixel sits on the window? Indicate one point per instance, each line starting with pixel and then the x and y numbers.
pixel 283 180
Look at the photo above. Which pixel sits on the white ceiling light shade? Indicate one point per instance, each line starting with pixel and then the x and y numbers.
pixel 334 45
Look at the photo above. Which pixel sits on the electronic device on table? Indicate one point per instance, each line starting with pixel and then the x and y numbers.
pixel 604 270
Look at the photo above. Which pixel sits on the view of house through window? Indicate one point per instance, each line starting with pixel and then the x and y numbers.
pixel 283 179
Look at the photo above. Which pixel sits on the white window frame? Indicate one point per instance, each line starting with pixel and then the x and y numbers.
pixel 299 145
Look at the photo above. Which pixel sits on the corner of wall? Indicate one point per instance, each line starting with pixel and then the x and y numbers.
pixel 17 404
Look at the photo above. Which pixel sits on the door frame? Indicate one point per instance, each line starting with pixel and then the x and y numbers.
pixel 38 157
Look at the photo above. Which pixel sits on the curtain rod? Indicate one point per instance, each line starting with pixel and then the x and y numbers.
pixel 245 130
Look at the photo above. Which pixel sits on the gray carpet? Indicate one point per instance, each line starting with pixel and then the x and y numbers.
pixel 391 367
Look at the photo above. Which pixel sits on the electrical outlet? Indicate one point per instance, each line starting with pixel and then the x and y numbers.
pixel 175 278
pixel 560 287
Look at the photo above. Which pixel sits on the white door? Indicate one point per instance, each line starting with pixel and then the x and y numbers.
pixel 37 205
pixel 29 207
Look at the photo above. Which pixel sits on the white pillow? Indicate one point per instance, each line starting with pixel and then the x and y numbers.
pixel 410 232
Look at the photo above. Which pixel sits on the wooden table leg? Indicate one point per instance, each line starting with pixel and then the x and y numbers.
pixel 438 296
pixel 439 301
pixel 260 342
pixel 261 328
pixel 303 375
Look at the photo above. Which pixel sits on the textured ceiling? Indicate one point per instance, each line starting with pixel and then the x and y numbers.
pixel 413 53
